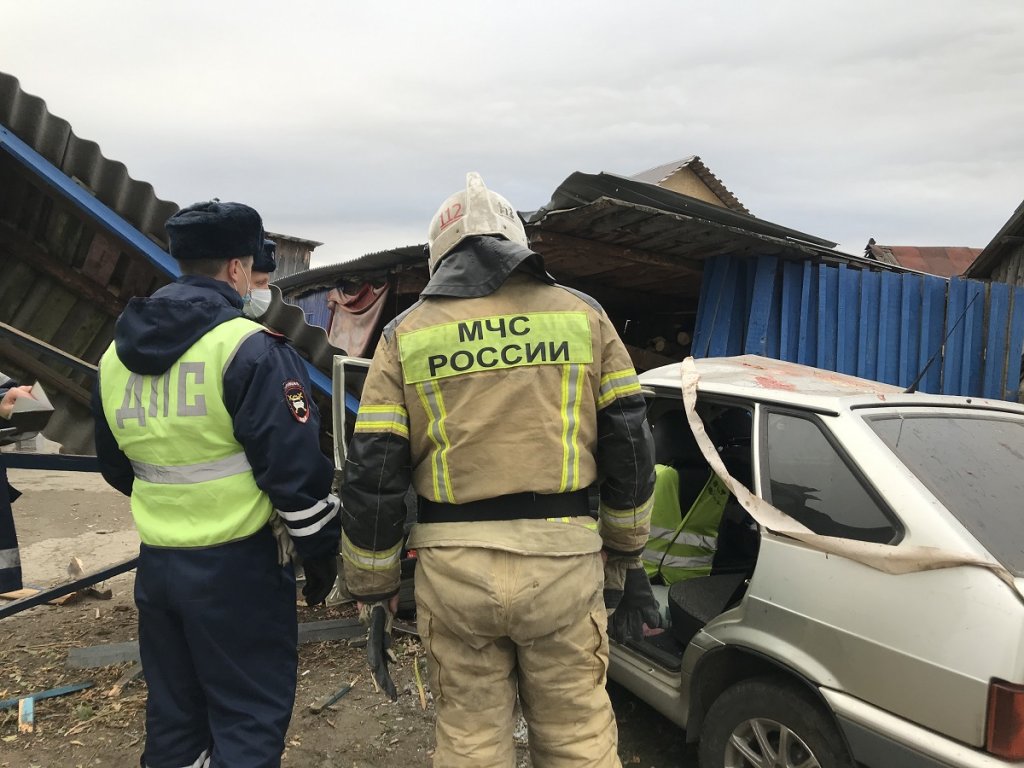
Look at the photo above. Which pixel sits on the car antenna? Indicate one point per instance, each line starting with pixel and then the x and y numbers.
pixel 913 387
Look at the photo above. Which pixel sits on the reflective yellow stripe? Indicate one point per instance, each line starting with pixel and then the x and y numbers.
pixel 628 518
pixel 572 376
pixel 590 524
pixel 367 559
pixel 433 405
pixel 617 384
pixel 495 343
pixel 383 418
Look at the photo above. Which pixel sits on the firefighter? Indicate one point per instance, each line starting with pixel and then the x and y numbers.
pixel 502 396
pixel 205 419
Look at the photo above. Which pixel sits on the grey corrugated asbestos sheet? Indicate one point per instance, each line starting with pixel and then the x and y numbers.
pixel 65 278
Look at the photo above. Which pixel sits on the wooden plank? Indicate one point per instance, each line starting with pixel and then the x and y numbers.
pixel 713 298
pixel 63 690
pixel 702 305
pixel 58 306
pixel 552 242
pixel 910 319
pixel 61 235
pixel 956 300
pixel 26 715
pixel 740 307
pixel 1016 345
pixel 938 290
pixel 774 340
pixel 44 349
pixel 133 673
pixel 80 328
pixel 726 297
pixel 870 291
pixel 889 327
pixel 997 327
pixel 974 339
pixel 101 258
pixel 847 320
pixel 17 594
pixel 15 288
pixel 45 374
pixel 789 323
pixel 139 279
pixel 35 257
pixel 828 301
pixel 807 338
pixel 756 338
pixel 107 654
pixel 67 588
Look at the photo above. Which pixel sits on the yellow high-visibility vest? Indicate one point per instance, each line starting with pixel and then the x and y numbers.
pixel 683 547
pixel 193 485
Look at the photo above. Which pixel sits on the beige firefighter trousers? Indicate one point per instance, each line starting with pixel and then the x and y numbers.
pixel 495 623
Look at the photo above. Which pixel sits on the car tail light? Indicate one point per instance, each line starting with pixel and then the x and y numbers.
pixel 1005 732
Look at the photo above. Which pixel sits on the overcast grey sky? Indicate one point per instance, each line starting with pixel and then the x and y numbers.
pixel 349 123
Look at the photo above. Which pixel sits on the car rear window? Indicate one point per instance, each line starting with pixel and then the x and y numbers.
pixel 974 465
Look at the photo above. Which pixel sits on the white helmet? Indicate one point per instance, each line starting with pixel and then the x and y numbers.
pixel 476 210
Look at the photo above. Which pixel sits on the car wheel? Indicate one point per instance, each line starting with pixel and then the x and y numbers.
pixel 770 723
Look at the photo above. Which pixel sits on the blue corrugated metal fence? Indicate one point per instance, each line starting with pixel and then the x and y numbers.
pixel 878 325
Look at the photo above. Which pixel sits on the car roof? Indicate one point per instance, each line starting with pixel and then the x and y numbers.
pixel 764 379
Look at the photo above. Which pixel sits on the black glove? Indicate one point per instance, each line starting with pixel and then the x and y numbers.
pixel 633 605
pixel 377 617
pixel 321 573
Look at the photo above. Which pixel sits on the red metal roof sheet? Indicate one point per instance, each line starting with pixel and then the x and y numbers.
pixel 944 261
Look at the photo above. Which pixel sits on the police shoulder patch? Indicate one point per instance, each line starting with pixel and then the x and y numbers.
pixel 296 400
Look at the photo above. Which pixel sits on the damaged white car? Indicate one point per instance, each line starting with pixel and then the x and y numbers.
pixel 861 599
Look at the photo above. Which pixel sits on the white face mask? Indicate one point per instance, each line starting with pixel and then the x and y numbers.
pixel 258 304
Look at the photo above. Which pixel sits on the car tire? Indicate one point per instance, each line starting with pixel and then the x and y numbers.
pixel 748 723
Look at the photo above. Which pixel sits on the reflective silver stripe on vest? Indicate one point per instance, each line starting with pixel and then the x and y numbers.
pixel 673 561
pixel 9 558
pixel 192 473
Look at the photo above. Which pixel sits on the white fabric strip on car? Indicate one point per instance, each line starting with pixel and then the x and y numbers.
pixel 903 558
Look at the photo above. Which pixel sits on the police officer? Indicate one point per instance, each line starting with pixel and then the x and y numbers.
pixel 502 396
pixel 205 419
pixel 262 267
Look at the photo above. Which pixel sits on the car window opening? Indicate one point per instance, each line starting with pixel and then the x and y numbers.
pixel 703 544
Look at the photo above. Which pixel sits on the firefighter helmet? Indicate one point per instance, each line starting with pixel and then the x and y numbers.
pixel 475 210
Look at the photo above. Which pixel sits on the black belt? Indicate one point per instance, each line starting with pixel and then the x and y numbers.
pixel 513 506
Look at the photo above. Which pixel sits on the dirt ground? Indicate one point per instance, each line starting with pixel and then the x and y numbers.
pixel 65 515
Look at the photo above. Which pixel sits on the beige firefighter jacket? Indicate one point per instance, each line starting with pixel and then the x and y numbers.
pixel 525 389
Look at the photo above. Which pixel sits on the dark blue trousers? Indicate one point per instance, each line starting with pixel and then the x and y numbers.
pixel 10 560
pixel 218 640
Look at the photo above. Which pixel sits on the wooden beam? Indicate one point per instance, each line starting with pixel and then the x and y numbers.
pixel 45 374
pixel 35 256
pixel 45 349
pixel 107 654
pixel 542 242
